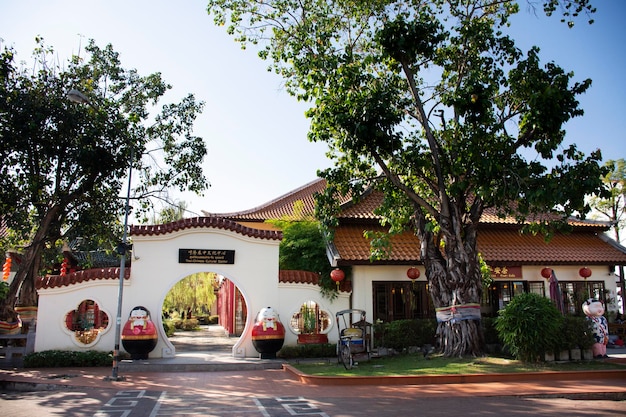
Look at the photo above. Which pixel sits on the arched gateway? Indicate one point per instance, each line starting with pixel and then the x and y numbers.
pixel 163 255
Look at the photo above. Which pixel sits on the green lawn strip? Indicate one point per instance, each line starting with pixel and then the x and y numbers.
pixel 407 365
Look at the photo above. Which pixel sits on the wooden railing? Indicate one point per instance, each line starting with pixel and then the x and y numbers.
pixel 13 347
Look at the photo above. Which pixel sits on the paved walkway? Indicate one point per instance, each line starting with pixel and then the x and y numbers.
pixel 265 380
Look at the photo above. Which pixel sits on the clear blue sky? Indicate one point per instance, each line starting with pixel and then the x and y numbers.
pixel 255 132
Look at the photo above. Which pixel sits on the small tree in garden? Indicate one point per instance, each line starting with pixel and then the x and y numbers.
pixel 529 326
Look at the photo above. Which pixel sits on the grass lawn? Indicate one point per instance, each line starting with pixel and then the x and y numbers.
pixel 407 365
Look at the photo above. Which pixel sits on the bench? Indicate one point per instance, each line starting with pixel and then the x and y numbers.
pixel 13 347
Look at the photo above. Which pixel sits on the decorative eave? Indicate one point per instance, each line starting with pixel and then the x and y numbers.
pixel 205 222
pixel 94 274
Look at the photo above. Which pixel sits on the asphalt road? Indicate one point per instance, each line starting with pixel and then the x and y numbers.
pixel 212 402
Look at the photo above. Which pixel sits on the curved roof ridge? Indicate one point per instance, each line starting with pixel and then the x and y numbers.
pixel 204 222
pixel 56 281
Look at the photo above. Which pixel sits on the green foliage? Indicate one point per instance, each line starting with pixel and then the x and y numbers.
pixel 169 327
pixel 613 205
pixel 529 326
pixel 66 163
pixel 4 289
pixel 432 104
pixel 575 333
pixel 321 350
pixel 61 358
pixel 190 324
pixel 402 334
pixel 303 248
pixel 194 293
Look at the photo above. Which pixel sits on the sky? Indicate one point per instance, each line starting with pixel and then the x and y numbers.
pixel 255 132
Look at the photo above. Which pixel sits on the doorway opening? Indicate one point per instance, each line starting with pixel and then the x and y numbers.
pixel 204 313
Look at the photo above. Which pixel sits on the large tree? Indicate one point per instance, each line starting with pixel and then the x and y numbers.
pixel 65 164
pixel 430 102
pixel 613 205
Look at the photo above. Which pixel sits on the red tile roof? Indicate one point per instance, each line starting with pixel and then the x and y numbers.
pixel 502 247
pixel 55 281
pixel 295 205
pixel 498 241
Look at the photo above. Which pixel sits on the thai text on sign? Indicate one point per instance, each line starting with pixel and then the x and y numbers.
pixel 206 256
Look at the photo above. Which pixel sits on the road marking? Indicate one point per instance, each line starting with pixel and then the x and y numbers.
pixel 142 403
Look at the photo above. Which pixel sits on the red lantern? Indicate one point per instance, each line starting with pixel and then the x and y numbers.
pixel 337 275
pixel 413 273
pixel 546 273
pixel 585 272
pixel 6 268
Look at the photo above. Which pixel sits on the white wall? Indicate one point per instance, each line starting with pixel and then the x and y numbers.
pixel 364 275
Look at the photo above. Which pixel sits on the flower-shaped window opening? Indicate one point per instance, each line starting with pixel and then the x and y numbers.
pixel 87 321
pixel 310 319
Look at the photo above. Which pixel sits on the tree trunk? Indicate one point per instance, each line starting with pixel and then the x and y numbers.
pixel 22 289
pixel 455 285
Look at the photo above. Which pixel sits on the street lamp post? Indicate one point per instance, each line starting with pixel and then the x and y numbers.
pixel 76 96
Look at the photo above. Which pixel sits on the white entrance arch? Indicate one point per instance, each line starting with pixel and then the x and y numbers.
pixel 161 256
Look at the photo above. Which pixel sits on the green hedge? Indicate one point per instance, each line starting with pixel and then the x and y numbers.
pixel 62 358
pixel 323 350
pixel 402 334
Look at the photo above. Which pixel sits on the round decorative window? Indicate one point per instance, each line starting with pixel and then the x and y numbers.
pixel 310 319
pixel 86 322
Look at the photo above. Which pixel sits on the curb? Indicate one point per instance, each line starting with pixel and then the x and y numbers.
pixel 456 379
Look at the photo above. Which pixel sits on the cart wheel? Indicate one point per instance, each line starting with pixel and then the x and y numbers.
pixel 346 356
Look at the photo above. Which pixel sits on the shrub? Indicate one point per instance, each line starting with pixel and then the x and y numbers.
pixel 529 326
pixel 576 332
pixel 61 358
pixel 169 327
pixel 190 324
pixel 401 334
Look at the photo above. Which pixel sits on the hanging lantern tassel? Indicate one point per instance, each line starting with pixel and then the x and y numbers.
pixel 413 274
pixel 6 268
pixel 337 275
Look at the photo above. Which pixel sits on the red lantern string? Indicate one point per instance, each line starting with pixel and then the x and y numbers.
pixel 6 268
pixel 64 267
